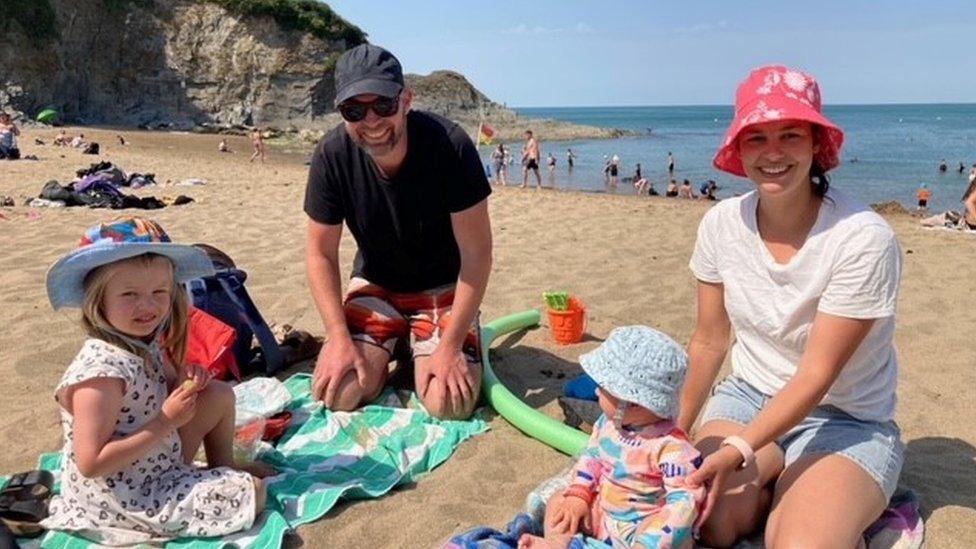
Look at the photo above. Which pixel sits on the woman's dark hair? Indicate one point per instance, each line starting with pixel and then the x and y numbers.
pixel 818 175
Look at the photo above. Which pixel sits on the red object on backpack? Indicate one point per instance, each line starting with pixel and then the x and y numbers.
pixel 211 345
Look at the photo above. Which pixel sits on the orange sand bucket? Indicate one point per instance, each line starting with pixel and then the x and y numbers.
pixel 570 325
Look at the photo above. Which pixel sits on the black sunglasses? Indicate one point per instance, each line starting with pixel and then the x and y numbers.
pixel 354 111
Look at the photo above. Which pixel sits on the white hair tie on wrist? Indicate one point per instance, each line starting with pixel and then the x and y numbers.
pixel 737 442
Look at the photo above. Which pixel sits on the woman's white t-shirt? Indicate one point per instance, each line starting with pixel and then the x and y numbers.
pixel 849 266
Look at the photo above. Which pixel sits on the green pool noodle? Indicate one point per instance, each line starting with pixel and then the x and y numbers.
pixel 525 418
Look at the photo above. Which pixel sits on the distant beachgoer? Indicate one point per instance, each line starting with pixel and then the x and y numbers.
pixel 8 137
pixel 802 431
pixel 643 186
pixel 962 167
pixel 707 190
pixel 551 164
pixel 257 140
pixel 923 194
pixel 62 139
pixel 121 140
pixel 943 167
pixel 498 161
pixel 670 163
pixel 570 158
pixel 79 141
pixel 614 170
pixel 686 191
pixel 672 189
pixel 530 160
pixel 969 201
pixel 637 172
pixel 223 146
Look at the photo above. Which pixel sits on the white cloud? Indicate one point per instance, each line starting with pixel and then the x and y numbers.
pixel 702 27
pixel 524 30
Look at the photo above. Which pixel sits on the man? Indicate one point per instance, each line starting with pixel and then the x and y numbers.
pixel 411 189
pixel 530 160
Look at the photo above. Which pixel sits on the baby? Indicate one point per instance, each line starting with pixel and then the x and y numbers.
pixel 628 486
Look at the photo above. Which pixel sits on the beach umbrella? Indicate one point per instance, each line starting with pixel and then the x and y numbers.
pixel 47 116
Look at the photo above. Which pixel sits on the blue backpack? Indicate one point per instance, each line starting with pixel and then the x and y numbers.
pixel 223 296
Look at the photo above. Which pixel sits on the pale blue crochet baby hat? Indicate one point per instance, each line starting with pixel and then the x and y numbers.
pixel 640 365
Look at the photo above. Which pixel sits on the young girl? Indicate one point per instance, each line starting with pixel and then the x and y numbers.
pixel 808 278
pixel 628 487
pixel 133 414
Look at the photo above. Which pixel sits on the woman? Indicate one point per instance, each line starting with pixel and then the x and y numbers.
pixel 8 138
pixel 257 139
pixel 802 428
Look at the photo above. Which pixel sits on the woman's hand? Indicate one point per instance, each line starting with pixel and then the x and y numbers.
pixel 712 474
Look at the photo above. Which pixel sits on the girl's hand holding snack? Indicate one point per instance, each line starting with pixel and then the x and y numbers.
pixel 180 406
pixel 196 378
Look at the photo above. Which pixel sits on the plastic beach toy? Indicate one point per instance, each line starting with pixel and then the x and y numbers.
pixel 567 317
pixel 525 418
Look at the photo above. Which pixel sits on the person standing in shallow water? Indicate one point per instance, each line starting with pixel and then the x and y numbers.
pixel 803 427
pixel 530 160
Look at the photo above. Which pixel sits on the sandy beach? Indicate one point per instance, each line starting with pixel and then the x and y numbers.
pixel 626 256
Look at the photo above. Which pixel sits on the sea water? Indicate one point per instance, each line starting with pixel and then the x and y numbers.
pixel 889 150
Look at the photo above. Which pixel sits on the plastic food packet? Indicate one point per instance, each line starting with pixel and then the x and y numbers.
pixel 247 441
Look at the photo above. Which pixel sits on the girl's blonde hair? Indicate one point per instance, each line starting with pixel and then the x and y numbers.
pixel 96 325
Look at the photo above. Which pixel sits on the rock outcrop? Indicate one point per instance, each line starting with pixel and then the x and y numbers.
pixel 192 63
pixel 177 63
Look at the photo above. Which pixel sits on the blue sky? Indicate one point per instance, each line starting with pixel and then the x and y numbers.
pixel 609 52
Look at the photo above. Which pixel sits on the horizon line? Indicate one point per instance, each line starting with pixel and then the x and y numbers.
pixel 826 106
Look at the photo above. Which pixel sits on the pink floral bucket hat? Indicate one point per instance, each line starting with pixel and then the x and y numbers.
pixel 775 92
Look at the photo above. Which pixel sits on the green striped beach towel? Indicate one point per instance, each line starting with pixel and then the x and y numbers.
pixel 324 457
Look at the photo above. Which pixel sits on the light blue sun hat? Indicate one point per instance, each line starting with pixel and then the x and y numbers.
pixel 110 242
pixel 641 365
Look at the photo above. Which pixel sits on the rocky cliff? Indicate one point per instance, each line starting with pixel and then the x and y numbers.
pixel 178 63
pixel 193 63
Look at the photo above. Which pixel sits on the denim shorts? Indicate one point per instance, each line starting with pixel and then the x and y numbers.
pixel 875 446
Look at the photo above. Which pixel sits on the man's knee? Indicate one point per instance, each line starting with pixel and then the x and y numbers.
pixel 438 402
pixel 351 394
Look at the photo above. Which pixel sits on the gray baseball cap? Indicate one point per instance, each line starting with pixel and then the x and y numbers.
pixel 367 69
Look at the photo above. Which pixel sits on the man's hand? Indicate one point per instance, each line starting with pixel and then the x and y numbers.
pixel 338 356
pixel 451 367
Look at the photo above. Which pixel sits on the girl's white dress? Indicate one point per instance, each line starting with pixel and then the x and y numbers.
pixel 156 498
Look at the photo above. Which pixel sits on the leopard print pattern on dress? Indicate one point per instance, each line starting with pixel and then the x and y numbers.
pixel 159 496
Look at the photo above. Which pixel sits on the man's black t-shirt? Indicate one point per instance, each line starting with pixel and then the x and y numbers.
pixel 401 225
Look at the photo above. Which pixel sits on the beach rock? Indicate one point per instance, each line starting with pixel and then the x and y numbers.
pixel 890 207
pixel 171 64
pixel 193 65
pixel 451 95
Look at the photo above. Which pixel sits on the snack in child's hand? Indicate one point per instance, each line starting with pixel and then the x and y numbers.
pixel 189 385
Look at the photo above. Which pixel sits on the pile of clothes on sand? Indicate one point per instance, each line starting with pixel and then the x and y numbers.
pixel 100 186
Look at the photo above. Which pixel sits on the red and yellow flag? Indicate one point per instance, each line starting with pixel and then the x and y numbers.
pixel 485 134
